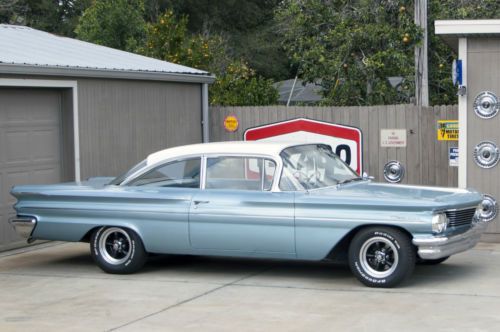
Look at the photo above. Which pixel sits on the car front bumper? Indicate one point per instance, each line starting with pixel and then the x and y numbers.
pixel 24 226
pixel 435 247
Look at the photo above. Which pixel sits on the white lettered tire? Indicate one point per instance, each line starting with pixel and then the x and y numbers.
pixel 117 250
pixel 381 256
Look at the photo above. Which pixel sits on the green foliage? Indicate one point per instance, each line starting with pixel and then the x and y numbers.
pixel 56 16
pixel 239 86
pixel 236 84
pixel 113 23
pixel 247 27
pixel 168 39
pixel 441 55
pixel 352 47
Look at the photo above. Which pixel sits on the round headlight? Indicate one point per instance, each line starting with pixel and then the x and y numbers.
pixel 439 223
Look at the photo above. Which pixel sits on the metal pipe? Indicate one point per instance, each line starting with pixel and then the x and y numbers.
pixel 291 91
pixel 204 113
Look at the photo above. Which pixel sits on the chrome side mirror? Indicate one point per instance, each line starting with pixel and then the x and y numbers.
pixel 367 177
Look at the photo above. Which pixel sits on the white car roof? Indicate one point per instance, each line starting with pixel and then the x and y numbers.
pixel 236 147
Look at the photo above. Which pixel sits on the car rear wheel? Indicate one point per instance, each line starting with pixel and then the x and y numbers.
pixel 117 250
pixel 381 256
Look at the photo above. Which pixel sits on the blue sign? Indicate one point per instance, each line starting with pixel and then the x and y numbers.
pixel 453 157
pixel 456 72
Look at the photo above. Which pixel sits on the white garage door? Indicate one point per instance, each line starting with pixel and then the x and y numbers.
pixel 30 146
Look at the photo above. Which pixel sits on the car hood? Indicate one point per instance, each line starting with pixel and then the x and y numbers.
pixel 402 196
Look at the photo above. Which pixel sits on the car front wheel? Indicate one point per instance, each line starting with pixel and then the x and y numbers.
pixel 117 250
pixel 381 256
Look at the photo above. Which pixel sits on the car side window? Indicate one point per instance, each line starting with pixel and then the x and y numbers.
pixel 177 174
pixel 243 173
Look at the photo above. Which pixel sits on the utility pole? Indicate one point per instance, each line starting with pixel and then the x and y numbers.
pixel 421 62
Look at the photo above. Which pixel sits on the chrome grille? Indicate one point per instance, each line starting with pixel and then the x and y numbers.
pixel 461 217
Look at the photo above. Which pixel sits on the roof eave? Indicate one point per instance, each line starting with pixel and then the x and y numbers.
pixel 7 68
pixel 451 30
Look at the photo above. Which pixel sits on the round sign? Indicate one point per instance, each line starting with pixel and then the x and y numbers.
pixel 394 171
pixel 486 154
pixel 486 105
pixel 231 123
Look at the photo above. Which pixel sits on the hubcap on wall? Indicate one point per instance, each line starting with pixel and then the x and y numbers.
pixel 394 171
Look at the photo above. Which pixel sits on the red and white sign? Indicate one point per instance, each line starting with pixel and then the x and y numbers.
pixel 345 141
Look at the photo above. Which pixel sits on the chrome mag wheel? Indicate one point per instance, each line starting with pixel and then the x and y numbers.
pixel 379 257
pixel 117 250
pixel 115 246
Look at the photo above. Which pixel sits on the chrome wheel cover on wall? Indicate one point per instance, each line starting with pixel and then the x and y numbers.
pixel 394 171
pixel 486 154
pixel 490 208
pixel 486 105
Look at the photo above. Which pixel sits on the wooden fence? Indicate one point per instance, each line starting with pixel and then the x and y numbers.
pixel 425 158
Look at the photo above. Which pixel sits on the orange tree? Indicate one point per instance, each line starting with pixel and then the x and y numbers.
pixel 236 84
pixel 352 47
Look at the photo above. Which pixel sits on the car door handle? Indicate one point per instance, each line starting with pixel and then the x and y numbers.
pixel 196 203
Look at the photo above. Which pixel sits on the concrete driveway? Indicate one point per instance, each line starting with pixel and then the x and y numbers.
pixel 56 286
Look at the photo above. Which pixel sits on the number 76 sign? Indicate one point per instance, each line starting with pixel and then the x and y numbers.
pixel 345 141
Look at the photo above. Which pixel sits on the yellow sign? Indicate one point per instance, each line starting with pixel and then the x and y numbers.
pixel 231 123
pixel 447 130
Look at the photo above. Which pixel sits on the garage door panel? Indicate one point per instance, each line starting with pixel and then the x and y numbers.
pixel 39 175
pixel 6 210
pixel 3 191
pixel 43 176
pixel 9 235
pixel 22 147
pixel 45 145
pixel 30 146
pixel 31 104
pixel 10 179
pixel 16 148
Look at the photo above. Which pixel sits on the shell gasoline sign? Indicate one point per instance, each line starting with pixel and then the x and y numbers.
pixel 231 123
pixel 345 141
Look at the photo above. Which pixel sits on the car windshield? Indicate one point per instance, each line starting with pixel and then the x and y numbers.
pixel 313 166
pixel 119 179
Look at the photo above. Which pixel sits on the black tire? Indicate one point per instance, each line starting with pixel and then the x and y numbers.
pixel 421 261
pixel 117 250
pixel 381 256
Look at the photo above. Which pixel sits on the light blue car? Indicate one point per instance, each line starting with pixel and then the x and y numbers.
pixel 254 199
